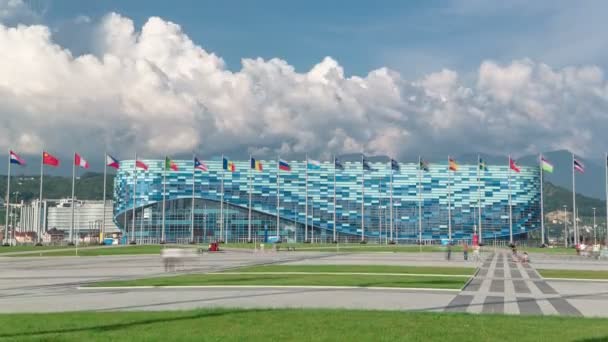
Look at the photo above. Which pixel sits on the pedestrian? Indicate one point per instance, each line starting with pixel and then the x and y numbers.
pixel 525 258
pixel 449 251
pixel 476 253
pixel 465 250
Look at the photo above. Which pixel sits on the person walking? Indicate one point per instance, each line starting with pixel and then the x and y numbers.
pixel 465 250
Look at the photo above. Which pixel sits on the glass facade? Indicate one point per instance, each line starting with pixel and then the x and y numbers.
pixel 438 186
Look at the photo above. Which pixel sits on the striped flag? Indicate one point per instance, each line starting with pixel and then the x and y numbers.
pixel 284 165
pixel 169 164
pixel 112 162
pixel 338 164
pixel 424 165
pixel 313 164
pixel 228 165
pixel 15 159
pixel 79 161
pixel 141 165
pixel 256 165
pixel 578 166
pixel 199 165
pixel 546 165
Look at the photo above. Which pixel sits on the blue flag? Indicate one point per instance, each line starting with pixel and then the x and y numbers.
pixel 394 165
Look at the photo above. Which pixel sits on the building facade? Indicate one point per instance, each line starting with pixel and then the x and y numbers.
pixel 419 200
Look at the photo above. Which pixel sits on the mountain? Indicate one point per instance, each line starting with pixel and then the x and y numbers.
pixel 87 186
pixel 555 197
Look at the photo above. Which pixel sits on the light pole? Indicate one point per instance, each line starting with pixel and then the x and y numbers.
pixel 594 234
pixel 565 227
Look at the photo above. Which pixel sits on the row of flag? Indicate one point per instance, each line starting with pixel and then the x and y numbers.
pixel 228 165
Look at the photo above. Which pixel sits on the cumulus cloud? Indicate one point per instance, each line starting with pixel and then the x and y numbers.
pixel 155 91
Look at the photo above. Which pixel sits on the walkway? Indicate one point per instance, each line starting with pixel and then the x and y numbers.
pixel 504 286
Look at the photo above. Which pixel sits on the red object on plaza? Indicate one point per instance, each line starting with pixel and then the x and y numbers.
pixel 213 247
pixel 475 240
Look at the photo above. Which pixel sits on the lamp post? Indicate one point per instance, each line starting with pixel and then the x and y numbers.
pixel 594 234
pixel 565 227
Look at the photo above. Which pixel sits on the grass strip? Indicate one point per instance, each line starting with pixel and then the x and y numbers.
pixel 359 269
pixel 295 325
pixel 295 280
pixel 573 274
pixel 118 250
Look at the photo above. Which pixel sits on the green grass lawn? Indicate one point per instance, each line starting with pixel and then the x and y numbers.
pixel 295 325
pixel 28 248
pixel 359 269
pixel 351 247
pixel 573 274
pixel 404 281
pixel 117 250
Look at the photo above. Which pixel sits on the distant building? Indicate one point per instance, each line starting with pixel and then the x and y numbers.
pixel 56 215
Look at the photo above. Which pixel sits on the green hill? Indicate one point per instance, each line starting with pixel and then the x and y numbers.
pixel 88 186
pixel 556 197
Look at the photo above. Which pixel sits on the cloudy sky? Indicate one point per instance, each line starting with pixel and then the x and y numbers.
pixel 320 77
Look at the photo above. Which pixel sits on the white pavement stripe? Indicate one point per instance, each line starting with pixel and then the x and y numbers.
pixel 510 297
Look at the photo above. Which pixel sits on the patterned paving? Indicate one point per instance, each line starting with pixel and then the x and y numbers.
pixel 504 286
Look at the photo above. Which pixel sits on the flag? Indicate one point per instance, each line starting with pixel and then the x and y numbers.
pixel 546 165
pixel 141 165
pixel 482 165
pixel 424 166
pixel 15 159
pixel 112 162
pixel 578 166
pixel 313 164
pixel 198 165
pixel 512 165
pixel 452 165
pixel 338 164
pixel 365 164
pixel 228 165
pixel 169 164
pixel 283 165
pixel 79 161
pixel 48 159
pixel 256 165
pixel 394 165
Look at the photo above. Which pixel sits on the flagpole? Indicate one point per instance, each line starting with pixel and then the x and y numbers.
pixel 133 240
pixel 380 215
pixel 479 198
pixel 420 201
pixel 278 192
pixel 222 200
pixel 306 202
pixel 162 235
pixel 73 204
pixel 574 225
pixel 449 202
pixel 510 207
pixel 8 199
pixel 391 195
pixel 542 209
pixel 335 223
pixel 38 215
pixel 249 213
pixel 103 222
pixel 362 199
pixel 192 205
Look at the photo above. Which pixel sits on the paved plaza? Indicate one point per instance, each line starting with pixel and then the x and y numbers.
pixel 49 284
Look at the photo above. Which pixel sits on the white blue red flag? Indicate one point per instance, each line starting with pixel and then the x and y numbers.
pixel 15 159
pixel 112 162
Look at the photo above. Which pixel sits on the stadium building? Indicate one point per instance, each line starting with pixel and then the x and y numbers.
pixel 462 188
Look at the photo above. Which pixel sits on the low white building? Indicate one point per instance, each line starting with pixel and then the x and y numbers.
pixel 88 216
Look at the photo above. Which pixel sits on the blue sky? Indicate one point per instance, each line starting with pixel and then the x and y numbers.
pixel 413 37
pixel 401 78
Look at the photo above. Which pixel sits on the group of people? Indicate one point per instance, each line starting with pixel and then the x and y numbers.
pixel 465 251
pixel 588 250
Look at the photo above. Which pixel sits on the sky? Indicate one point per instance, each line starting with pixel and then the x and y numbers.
pixel 268 78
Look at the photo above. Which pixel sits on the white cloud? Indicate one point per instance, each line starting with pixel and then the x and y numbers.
pixel 155 91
